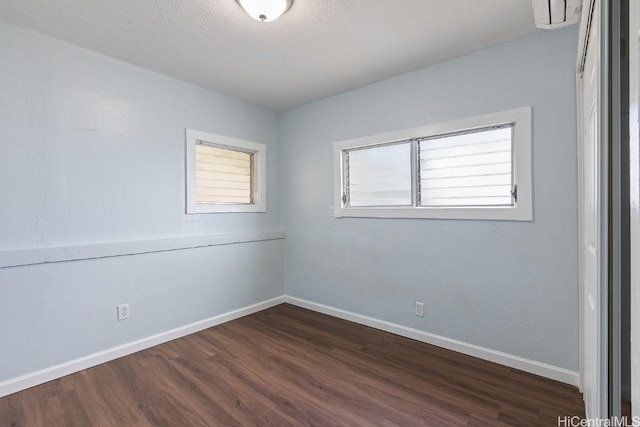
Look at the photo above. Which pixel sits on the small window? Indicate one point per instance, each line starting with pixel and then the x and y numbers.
pixel 475 168
pixel 224 174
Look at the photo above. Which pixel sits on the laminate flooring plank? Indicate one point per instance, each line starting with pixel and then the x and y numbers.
pixel 340 381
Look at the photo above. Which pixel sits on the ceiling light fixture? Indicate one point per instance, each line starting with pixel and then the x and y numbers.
pixel 265 10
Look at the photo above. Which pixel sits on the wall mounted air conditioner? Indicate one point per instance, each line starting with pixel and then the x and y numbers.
pixel 552 14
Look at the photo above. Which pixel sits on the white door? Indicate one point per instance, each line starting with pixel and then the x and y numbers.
pixel 593 340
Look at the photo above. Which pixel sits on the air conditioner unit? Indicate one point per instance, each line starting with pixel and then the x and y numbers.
pixel 552 14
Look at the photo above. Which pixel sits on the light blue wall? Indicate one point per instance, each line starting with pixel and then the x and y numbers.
pixel 507 286
pixel 92 151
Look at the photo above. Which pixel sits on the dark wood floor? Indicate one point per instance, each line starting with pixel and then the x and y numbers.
pixel 290 366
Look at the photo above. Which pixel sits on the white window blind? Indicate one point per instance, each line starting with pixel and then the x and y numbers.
pixel 379 175
pixel 469 169
pixel 223 175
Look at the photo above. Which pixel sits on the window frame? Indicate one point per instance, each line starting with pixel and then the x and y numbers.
pixel 522 210
pixel 259 187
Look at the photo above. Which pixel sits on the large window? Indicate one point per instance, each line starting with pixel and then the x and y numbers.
pixel 224 174
pixel 475 168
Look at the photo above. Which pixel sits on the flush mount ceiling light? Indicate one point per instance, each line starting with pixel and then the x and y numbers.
pixel 265 10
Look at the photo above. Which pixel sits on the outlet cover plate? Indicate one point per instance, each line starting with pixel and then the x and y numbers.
pixel 123 311
pixel 419 310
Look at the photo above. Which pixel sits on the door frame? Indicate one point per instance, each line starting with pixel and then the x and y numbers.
pixel 634 188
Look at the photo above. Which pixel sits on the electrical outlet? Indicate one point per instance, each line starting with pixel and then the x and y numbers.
pixel 419 309
pixel 123 311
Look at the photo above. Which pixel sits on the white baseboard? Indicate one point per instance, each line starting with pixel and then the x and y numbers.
pixel 35 378
pixel 543 369
pixel 39 377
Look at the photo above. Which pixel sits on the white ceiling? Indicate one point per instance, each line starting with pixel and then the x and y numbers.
pixel 317 49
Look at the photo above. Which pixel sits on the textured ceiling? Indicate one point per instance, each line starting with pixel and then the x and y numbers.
pixel 317 49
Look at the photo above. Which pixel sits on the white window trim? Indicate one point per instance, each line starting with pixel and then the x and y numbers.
pixel 522 209
pixel 259 173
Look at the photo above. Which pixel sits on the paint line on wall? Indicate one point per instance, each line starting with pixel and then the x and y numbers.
pixel 20 258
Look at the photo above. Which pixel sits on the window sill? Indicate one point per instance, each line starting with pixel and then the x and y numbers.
pixel 204 209
pixel 519 213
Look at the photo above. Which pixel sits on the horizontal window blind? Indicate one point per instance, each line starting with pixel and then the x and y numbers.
pixel 379 175
pixel 470 169
pixel 223 175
